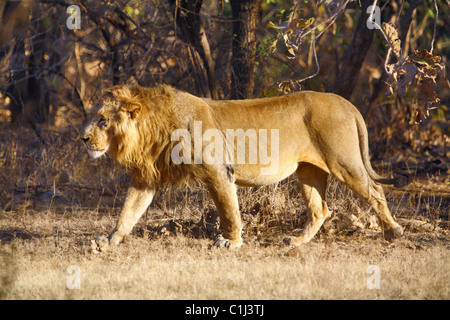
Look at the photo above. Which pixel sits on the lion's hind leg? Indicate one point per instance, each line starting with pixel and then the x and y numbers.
pixel 313 185
pixel 390 228
pixel 359 181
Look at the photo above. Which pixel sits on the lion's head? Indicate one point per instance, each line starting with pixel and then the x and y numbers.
pixel 133 126
pixel 99 133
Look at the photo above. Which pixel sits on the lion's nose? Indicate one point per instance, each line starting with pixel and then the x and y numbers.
pixel 85 139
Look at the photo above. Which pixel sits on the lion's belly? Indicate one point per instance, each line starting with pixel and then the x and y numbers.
pixel 252 176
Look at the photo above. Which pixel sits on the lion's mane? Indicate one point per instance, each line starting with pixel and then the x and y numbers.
pixel 145 147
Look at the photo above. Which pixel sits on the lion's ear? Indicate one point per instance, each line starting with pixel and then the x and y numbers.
pixel 132 109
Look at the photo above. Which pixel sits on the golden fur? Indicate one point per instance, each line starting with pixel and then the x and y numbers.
pixel 319 134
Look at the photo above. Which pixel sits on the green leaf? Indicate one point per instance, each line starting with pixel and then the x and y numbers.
pixel 129 10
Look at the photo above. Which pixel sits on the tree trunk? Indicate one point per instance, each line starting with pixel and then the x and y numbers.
pixel 354 55
pixel 29 105
pixel 245 22
pixel 188 22
pixel 13 17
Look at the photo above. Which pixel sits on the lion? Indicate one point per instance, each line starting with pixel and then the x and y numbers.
pixel 159 135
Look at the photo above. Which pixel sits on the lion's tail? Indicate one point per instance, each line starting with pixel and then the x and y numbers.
pixel 400 181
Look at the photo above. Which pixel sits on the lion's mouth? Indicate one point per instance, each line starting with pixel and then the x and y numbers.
pixel 95 154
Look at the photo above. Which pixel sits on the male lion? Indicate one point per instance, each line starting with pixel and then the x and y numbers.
pixel 147 130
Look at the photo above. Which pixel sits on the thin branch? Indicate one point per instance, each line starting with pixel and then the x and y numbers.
pixel 333 17
pixel 399 12
pixel 374 5
pixel 434 28
pixel 313 44
pixel 388 55
pixel 377 26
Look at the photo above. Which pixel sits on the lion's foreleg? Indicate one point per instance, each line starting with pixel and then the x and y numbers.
pixel 137 201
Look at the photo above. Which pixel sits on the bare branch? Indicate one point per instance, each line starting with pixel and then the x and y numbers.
pixel 330 22
pixel 377 26
pixel 434 28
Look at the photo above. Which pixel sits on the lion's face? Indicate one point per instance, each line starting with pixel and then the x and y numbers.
pixel 97 134
pixel 110 119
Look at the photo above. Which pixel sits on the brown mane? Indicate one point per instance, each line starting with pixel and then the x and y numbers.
pixel 145 150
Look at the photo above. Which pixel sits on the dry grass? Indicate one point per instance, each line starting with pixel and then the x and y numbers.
pixel 39 247
pixel 185 268
pixel 53 202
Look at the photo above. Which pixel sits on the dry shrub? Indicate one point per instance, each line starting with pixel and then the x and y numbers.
pixel 53 168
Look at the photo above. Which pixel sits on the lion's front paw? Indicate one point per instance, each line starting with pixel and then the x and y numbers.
pixel 99 244
pixel 222 242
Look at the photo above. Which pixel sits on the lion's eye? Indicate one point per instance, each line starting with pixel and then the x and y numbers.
pixel 102 123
